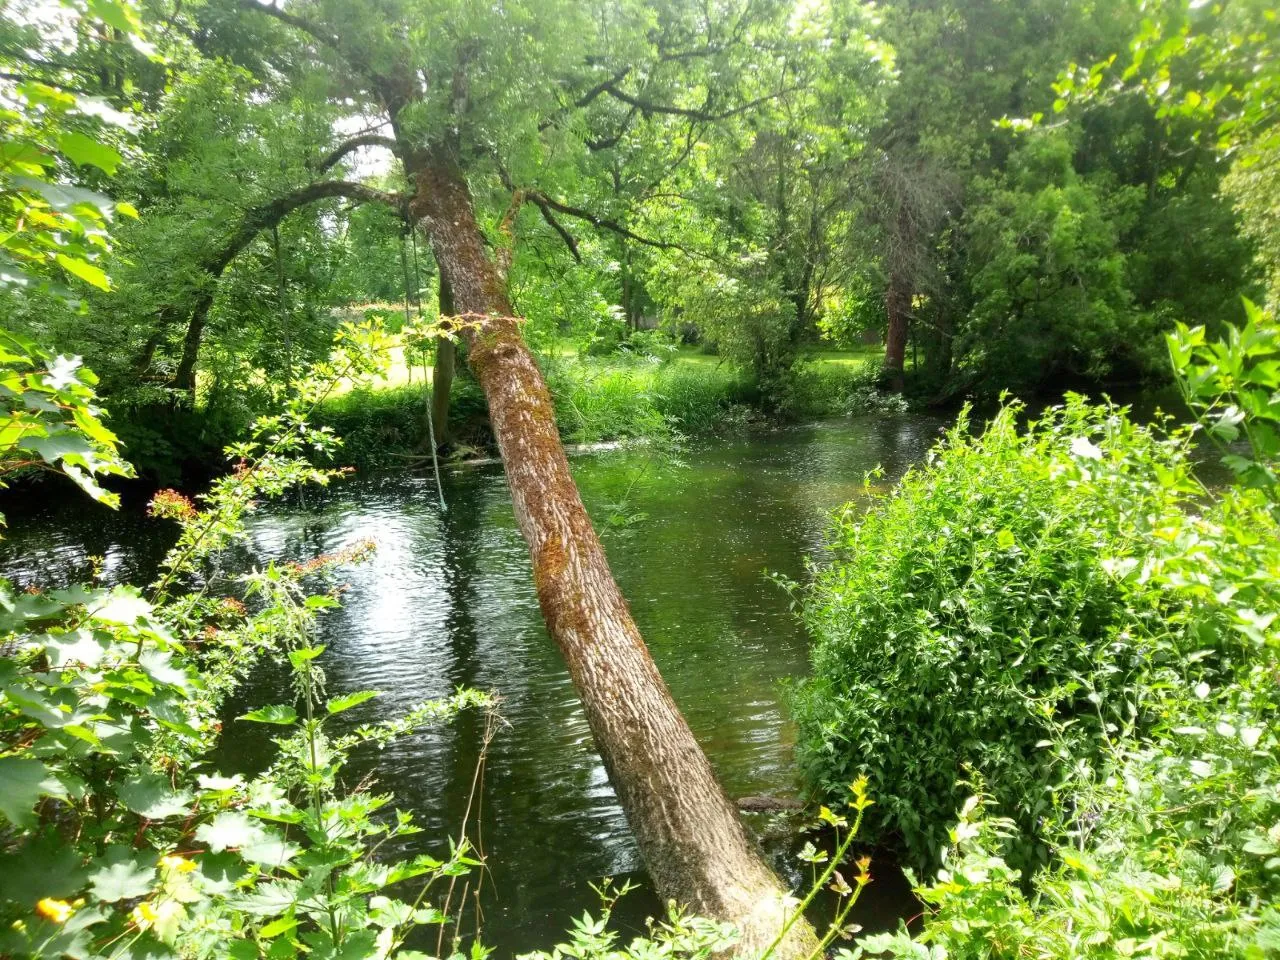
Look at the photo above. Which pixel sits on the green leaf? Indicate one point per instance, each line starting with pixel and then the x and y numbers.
pixel 277 927
pixel 23 782
pixel 82 150
pixel 152 797
pixel 340 704
pixel 227 830
pixel 269 850
pixel 276 713
pixel 125 605
pixel 44 866
pixel 269 899
pixel 299 657
pixel 85 270
pixel 121 876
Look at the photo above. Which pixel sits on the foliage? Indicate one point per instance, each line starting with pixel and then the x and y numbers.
pixel 1233 385
pixel 53 231
pixel 1048 278
pixel 53 420
pixel 982 617
pixel 1170 848
pixel 120 839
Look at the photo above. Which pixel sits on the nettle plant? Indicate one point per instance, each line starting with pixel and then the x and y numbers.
pixel 117 837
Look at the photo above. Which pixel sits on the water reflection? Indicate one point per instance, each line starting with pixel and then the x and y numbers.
pixel 447 600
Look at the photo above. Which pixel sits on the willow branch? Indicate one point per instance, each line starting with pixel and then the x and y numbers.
pixel 332 158
pixel 545 209
pixel 602 223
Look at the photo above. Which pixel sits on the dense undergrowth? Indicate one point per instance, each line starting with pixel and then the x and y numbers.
pixel 1062 627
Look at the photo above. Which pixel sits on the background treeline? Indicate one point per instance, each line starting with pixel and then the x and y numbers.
pixel 937 177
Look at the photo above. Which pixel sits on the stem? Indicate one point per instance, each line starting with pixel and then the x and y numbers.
pixel 798 913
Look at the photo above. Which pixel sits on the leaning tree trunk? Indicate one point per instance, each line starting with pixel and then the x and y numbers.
pixel 897 302
pixel 687 830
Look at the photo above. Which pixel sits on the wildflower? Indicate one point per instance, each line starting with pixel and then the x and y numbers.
pixel 144 915
pixel 177 863
pixel 56 910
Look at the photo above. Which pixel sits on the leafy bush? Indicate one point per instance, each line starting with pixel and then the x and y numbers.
pixel 984 618
pixel 1174 848
pixel 817 389
pixel 1178 854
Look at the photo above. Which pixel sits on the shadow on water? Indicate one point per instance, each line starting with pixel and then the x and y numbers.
pixel 447 600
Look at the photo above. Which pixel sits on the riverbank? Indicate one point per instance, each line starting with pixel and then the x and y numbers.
pixel 598 400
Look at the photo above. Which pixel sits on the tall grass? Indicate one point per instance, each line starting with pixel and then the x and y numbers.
pixel 599 400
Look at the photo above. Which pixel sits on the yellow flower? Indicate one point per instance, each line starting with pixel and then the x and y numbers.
pixel 56 910
pixel 144 915
pixel 175 862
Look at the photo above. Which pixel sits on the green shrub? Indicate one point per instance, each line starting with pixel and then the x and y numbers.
pixel 642 398
pixel 982 621
pixel 1179 854
pixel 698 397
pixel 818 389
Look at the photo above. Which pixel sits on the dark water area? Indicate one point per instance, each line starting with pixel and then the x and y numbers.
pixel 447 600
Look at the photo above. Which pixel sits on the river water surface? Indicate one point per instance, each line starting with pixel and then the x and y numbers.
pixel 447 600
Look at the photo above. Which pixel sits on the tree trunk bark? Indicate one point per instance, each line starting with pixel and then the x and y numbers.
pixel 442 372
pixel 897 303
pixel 687 830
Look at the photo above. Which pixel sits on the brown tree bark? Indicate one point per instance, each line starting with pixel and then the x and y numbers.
pixel 687 830
pixel 897 304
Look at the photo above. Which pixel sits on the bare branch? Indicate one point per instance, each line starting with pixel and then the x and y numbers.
pixel 602 223
pixel 587 98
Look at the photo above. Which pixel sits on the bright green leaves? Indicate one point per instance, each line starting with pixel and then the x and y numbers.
pixel 339 704
pixel 52 229
pixel 85 270
pixel 23 783
pixel 228 830
pixel 276 714
pixel 152 796
pixel 53 421
pixel 84 150
pixel 1233 385
pixel 122 875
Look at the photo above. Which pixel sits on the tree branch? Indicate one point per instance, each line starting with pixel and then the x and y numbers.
pixel 313 30
pixel 332 158
pixel 587 98
pixel 255 220
pixel 703 115
pixel 544 208
pixel 601 223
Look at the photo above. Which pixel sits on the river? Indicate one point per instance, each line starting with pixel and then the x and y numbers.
pixel 447 600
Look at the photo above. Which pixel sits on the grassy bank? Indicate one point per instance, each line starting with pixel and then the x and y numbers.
pixel 602 399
